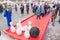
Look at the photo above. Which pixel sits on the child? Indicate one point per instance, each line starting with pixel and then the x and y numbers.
pixel 38 12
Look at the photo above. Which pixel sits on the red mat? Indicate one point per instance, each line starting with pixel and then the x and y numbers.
pixel 41 24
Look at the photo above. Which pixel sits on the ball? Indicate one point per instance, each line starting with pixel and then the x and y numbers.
pixel 34 32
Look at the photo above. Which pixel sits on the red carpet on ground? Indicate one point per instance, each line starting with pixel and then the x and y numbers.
pixel 42 24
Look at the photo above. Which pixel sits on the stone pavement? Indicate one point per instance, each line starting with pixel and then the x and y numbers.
pixel 52 33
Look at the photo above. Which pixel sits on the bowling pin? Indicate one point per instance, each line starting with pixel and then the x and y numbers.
pixel 19 28
pixel 19 24
pixel 29 25
pixel 25 28
pixel 12 28
pixel 26 34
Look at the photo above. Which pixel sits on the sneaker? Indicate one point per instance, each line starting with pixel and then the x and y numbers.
pixel 53 24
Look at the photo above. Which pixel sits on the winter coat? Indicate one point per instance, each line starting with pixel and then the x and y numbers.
pixel 59 11
pixel 38 11
pixel 54 13
pixel 35 8
pixel 8 15
pixel 42 9
pixel 22 9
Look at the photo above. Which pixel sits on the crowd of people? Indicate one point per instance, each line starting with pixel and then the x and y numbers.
pixel 43 8
pixel 22 7
pixel 39 9
pixel 8 11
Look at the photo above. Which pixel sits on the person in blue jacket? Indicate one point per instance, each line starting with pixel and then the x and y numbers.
pixel 8 14
pixel 38 13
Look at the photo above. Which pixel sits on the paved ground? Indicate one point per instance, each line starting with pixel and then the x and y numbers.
pixel 52 33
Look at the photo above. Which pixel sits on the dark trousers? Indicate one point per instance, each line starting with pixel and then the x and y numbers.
pixel 22 11
pixel 45 11
pixel 42 14
pixel 59 18
pixel 27 11
pixel 38 16
pixel 59 15
pixel 15 9
pixel 0 33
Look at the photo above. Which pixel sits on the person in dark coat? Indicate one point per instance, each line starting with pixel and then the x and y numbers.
pixel 27 8
pixel 8 14
pixel 48 9
pixel 45 8
pixel 42 11
pixel 34 8
pixel 57 5
pixel 58 9
pixel 0 33
pixel 22 9
pixel 59 14
pixel 1 8
pixel 15 7
pixel 31 5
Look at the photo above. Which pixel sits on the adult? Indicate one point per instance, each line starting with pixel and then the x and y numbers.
pixel 15 7
pixel 27 8
pixel 1 8
pixel 42 10
pixel 59 14
pixel 45 8
pixel 34 8
pixel 54 15
pixel 0 33
pixel 8 14
pixel 22 9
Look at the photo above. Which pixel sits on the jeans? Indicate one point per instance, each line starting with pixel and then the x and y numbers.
pixel 8 22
